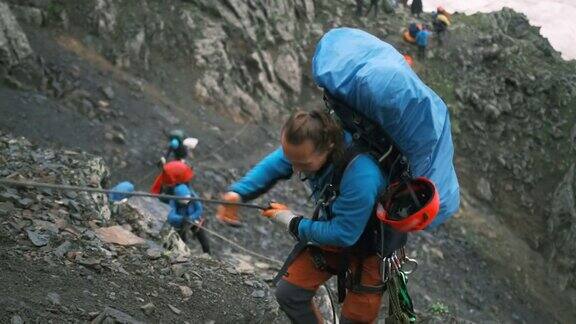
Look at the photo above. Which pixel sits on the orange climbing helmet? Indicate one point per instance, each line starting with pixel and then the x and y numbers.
pixel 173 173
pixel 408 59
pixel 409 205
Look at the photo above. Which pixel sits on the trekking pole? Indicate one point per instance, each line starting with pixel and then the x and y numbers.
pixel 14 183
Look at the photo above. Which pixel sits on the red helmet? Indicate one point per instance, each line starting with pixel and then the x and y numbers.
pixel 409 205
pixel 440 9
pixel 173 173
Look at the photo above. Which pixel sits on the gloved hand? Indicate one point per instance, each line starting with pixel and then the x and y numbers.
pixel 161 162
pixel 280 213
pixel 228 214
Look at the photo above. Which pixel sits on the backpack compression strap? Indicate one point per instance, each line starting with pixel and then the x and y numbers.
pixel 370 135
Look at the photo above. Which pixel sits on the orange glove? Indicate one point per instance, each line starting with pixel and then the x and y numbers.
pixel 228 214
pixel 274 209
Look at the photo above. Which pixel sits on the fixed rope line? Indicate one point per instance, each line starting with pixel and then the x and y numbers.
pixel 240 247
pixel 14 183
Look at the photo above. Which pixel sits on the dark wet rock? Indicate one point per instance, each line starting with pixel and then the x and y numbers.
pixel 112 315
pixel 37 238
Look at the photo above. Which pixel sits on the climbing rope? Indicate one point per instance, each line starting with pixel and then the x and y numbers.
pixel 401 309
pixel 238 246
pixel 14 183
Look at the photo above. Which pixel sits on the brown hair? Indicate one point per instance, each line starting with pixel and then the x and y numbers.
pixel 317 126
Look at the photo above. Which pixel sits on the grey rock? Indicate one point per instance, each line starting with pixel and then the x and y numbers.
pixel 288 70
pixel 108 92
pixel 71 194
pixel 484 189
pixel 258 294
pixel 6 208
pixel 29 15
pixel 24 202
pixel 148 309
pixel 112 315
pixel 54 298
pixel 174 309
pixel 178 269
pixel 104 17
pixel 16 319
pixel 562 226
pixel 119 138
pixel 50 227
pixel 36 238
pixel 9 195
pixel 14 46
pixel 492 111
pixel 62 249
pixel 154 253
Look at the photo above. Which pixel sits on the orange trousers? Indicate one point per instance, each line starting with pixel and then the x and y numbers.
pixel 358 307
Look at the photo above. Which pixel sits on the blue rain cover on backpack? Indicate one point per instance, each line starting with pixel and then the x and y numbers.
pixel 371 76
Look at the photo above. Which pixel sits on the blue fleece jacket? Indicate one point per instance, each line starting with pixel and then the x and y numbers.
pixel 351 210
pixel 191 211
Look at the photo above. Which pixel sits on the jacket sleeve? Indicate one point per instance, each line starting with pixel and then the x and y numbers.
pixel 263 176
pixel 351 210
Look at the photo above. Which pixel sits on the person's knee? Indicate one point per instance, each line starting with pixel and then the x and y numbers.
pixel 289 295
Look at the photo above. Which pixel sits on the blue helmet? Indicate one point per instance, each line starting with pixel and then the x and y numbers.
pixel 174 143
pixel 123 190
pixel 182 190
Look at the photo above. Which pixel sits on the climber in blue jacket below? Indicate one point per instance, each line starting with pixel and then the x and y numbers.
pixel 186 214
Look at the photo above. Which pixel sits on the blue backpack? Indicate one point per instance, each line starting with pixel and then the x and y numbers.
pixel 382 102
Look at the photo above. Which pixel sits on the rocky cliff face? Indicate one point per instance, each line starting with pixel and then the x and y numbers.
pixel 241 58
pixel 122 72
pixel 513 102
pixel 17 60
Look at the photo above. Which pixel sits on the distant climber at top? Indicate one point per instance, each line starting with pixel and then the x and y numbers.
pixel 178 146
pixel 441 22
pixel 416 8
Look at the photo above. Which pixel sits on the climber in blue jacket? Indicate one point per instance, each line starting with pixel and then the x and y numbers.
pixel 311 143
pixel 187 214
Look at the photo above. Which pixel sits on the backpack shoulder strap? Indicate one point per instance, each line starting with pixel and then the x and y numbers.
pixel 340 166
pixel 332 188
